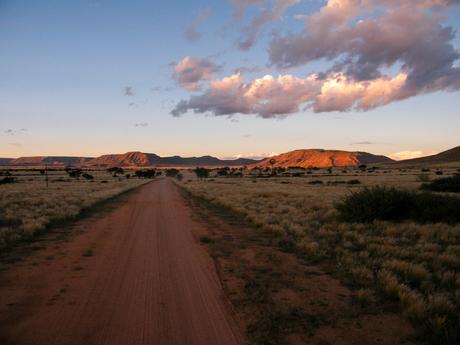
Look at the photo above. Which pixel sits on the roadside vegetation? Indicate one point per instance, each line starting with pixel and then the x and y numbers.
pixel 391 204
pixel 30 204
pixel 445 184
pixel 391 245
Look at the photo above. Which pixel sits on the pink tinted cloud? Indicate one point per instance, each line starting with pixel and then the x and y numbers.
pixel 191 71
pixel 363 40
pixel 287 94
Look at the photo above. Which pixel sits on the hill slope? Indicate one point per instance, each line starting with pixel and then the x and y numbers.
pixel 322 158
pixel 5 161
pixel 448 157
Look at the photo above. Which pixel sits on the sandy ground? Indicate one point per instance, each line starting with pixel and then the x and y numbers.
pixel 133 275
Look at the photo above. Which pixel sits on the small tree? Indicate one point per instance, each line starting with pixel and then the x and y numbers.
pixel 201 173
pixel 146 173
pixel 223 172
pixel 74 172
pixel 172 172
pixel 87 176
pixel 115 171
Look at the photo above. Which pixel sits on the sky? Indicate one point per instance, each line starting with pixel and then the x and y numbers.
pixel 229 78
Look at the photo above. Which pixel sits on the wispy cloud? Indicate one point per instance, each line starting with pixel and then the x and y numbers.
pixel 141 124
pixel 240 7
pixel 191 71
pixel 257 156
pixel 128 91
pixel 12 131
pixel 191 32
pixel 275 13
pixel 362 143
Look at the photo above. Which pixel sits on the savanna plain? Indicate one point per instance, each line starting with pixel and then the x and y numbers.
pixel 357 280
pixel 297 260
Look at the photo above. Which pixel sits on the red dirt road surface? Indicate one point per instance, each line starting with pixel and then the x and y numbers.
pixel 133 275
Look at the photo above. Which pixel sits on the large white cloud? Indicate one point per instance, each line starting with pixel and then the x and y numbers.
pixel 286 94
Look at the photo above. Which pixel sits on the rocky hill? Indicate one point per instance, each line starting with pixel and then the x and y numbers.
pixel 322 158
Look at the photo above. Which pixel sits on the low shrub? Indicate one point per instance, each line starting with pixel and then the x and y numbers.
pixel 390 204
pixel 8 179
pixel 145 173
pixel 423 177
pixel 316 182
pixel 206 240
pixel 87 176
pixel 172 172
pixel 445 184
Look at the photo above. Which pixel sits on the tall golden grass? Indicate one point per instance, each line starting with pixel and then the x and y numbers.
pixel 30 206
pixel 417 266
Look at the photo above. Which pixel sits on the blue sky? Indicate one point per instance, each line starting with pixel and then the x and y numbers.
pixel 64 66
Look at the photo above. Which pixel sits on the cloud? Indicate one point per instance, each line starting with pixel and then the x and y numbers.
pixel 12 131
pixel 406 155
pixel 362 143
pixel 128 91
pixel 275 13
pixel 190 71
pixel 363 38
pixel 379 52
pixel 257 156
pixel 15 144
pixel 276 97
pixel 240 7
pixel 141 124
pixel 191 32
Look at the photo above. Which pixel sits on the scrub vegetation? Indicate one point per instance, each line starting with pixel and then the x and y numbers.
pixel 383 238
pixel 30 204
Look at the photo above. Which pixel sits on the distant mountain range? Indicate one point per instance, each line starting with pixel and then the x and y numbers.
pixel 139 159
pixel 44 160
pixel 300 158
pixel 322 158
pixel 129 159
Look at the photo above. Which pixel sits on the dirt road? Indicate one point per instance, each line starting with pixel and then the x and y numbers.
pixel 133 275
